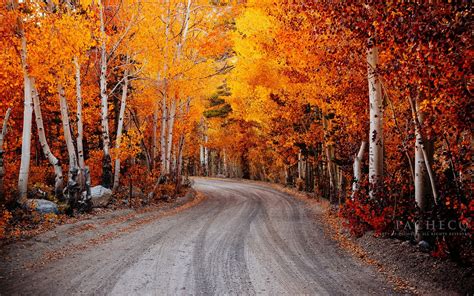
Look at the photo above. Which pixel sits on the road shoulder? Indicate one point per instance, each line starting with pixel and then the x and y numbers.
pixel 67 239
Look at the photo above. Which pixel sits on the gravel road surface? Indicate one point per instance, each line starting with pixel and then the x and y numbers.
pixel 243 239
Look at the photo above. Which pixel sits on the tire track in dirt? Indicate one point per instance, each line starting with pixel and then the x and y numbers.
pixel 243 239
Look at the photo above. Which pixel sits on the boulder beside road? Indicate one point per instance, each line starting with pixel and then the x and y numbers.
pixel 100 196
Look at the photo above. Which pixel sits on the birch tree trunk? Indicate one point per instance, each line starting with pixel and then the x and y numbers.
pixel 331 172
pixel 123 104
pixel 154 139
pixel 67 129
pixel 422 146
pixel 421 183
pixel 172 111
pixel 423 173
pixel 164 103
pixel 27 123
pixel 206 156
pixel 179 161
pixel 358 168
pixel 163 141
pixel 329 153
pixel 58 171
pixel 80 128
pixel 3 133
pixel 376 121
pixel 224 160
pixel 106 161
pixel 169 145
pixel 201 159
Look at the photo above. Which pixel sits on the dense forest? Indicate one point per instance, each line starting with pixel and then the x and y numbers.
pixel 368 105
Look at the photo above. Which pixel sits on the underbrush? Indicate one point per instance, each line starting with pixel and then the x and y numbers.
pixel 447 227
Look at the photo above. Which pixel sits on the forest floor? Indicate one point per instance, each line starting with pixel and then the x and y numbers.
pixel 228 236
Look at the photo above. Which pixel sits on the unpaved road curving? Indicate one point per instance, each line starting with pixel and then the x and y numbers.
pixel 244 239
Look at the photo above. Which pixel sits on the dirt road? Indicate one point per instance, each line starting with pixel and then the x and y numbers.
pixel 244 239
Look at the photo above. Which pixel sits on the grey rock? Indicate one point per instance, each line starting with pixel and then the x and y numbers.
pixel 42 206
pixel 424 246
pixel 100 196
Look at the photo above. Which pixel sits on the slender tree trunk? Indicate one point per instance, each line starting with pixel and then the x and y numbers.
pixel 164 103
pixel 27 123
pixel 154 138
pixel 119 128
pixel 331 172
pixel 172 111
pixel 358 168
pixel 421 188
pixel 329 153
pixel 169 145
pixel 206 156
pixel 67 129
pixel 80 131
pixel 106 162
pixel 3 133
pixel 224 160
pixel 376 121
pixel 179 161
pixel 73 190
pixel 58 172
pixel 80 127
pixel 201 159
pixel 163 142
pixel 422 146
pixel 299 165
pixel 184 30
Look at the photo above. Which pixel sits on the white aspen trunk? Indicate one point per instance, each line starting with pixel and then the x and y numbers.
pixel 27 123
pixel 164 103
pixel 173 161
pixel 154 137
pixel 358 168
pixel 421 144
pixel 3 133
pixel 201 158
pixel 376 120
pixel 163 142
pixel 331 173
pixel 106 164
pixel 184 30
pixel 169 145
pixel 179 161
pixel 80 126
pixel 206 156
pixel 58 171
pixel 123 104
pixel 224 158
pixel 420 181
pixel 172 110
pixel 67 129
pixel 331 169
